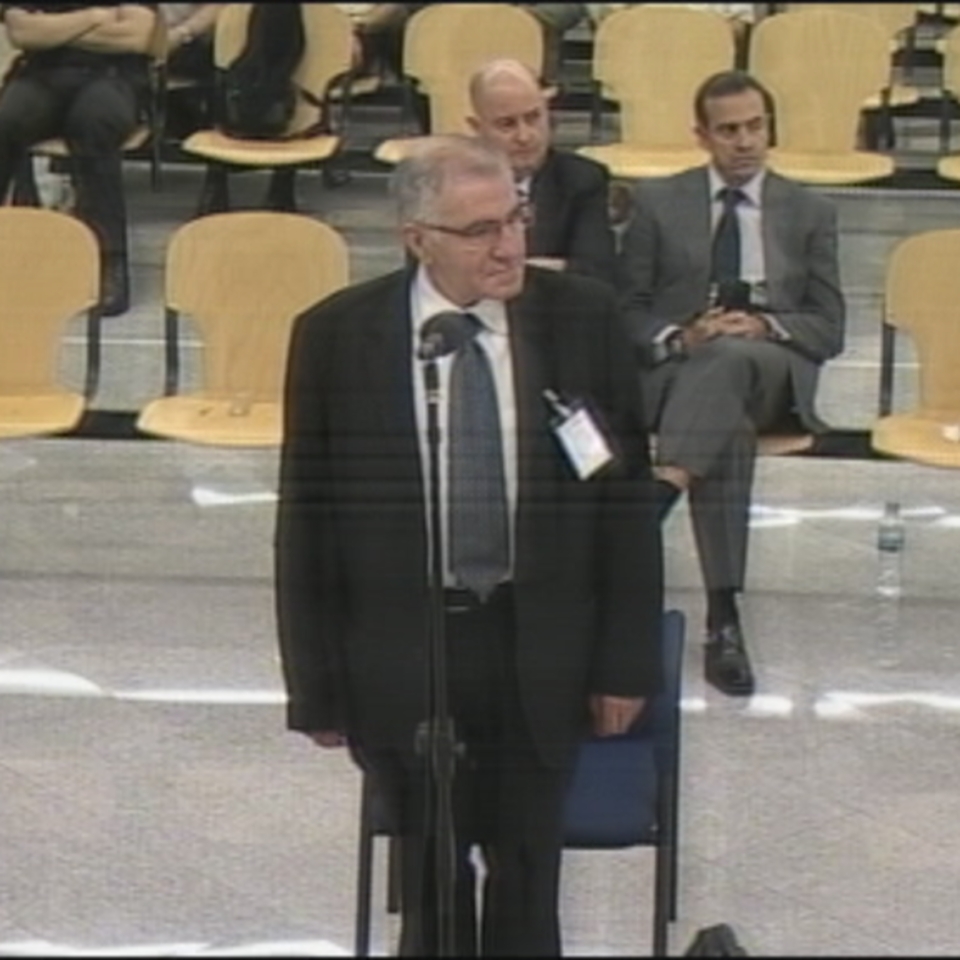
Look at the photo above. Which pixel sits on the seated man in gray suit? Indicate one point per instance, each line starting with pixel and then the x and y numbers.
pixel 732 294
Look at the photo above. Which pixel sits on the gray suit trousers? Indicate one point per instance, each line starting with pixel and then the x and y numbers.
pixel 707 409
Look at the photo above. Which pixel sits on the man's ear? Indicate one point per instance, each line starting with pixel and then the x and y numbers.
pixel 474 124
pixel 414 241
pixel 701 136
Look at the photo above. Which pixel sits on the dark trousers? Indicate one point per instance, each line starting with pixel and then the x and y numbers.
pixel 94 114
pixel 506 802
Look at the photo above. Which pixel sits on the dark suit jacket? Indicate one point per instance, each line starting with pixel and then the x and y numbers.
pixel 572 220
pixel 666 268
pixel 351 549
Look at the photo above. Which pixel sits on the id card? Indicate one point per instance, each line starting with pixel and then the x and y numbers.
pixel 582 441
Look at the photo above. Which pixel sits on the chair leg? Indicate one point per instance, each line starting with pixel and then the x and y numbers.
pixel 215 193
pixel 672 839
pixel 871 125
pixel 393 875
pixel 156 161
pixel 282 190
pixel 24 192
pixel 92 381
pixel 946 110
pixel 596 112
pixel 361 937
pixel 665 879
pixel 662 895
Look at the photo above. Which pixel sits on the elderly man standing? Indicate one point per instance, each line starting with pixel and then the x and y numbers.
pixel 569 194
pixel 549 545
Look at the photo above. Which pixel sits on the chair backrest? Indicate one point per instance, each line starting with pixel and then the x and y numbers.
pixel 615 799
pixel 243 277
pixel 819 66
pixel 328 50
pixel 893 18
pixel 444 43
pixel 651 60
pixel 921 297
pixel 49 273
pixel 951 61
pixel 8 53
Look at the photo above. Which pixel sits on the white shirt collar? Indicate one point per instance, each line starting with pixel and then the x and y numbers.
pixel 428 300
pixel 752 189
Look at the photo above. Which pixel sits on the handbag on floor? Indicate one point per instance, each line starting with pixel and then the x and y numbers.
pixel 716 941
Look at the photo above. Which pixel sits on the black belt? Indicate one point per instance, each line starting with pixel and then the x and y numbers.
pixel 459 600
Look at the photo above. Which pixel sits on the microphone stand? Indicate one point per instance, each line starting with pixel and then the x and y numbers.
pixel 435 738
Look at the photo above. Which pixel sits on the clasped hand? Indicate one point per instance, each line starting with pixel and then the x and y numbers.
pixel 719 322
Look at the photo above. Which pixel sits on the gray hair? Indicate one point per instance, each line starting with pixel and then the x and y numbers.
pixel 420 177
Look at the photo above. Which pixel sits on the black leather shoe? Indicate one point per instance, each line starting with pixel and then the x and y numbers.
pixel 725 662
pixel 114 286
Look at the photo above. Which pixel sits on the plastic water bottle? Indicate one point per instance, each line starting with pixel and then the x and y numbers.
pixel 890 539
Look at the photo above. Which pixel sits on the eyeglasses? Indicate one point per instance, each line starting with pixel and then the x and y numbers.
pixel 485 232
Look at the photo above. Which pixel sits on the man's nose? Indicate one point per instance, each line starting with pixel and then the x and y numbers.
pixel 512 242
pixel 524 133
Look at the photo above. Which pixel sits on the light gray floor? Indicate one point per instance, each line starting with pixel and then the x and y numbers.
pixel 151 802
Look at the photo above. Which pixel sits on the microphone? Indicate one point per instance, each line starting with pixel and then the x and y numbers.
pixel 443 333
pixel 734 295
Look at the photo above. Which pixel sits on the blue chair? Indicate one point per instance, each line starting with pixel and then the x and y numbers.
pixel 625 789
pixel 624 794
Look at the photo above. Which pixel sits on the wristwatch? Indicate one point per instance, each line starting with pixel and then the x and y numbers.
pixel 670 348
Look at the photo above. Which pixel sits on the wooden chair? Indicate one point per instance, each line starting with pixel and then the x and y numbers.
pixel 922 290
pixel 820 67
pixel 49 273
pixel 896 20
pixel 651 60
pixel 242 278
pixel 327 58
pixel 444 44
pixel 8 53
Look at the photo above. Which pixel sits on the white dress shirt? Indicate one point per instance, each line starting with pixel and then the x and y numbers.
pixel 750 217
pixel 494 340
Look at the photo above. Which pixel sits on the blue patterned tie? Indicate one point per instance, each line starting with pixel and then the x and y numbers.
pixel 477 512
pixel 726 238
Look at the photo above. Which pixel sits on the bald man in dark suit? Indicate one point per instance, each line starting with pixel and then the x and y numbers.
pixel 569 194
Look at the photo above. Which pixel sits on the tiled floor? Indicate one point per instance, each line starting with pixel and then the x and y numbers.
pixel 151 802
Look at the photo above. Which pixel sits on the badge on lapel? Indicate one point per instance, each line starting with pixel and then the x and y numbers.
pixel 578 434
